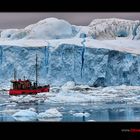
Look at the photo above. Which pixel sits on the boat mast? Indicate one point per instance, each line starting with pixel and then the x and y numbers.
pixel 15 74
pixel 36 72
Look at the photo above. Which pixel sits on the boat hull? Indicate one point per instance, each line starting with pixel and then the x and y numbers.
pixel 27 91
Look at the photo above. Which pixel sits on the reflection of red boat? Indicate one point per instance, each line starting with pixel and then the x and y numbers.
pixel 26 87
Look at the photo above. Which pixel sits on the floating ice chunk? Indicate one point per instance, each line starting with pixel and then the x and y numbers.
pixel 90 120
pixel 66 98
pixel 84 86
pixel 15 98
pixel 85 114
pixel 10 111
pixel 71 97
pixel 28 98
pixel 68 85
pixel 122 87
pixel 50 113
pixel 6 118
pixel 44 94
pixel 109 89
pixel 96 95
pixel 25 115
pixel 22 99
pixel 11 105
pixel 50 119
pixel 71 111
pixel 32 109
pixel 55 89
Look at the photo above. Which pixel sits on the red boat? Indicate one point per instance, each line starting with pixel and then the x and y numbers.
pixel 26 87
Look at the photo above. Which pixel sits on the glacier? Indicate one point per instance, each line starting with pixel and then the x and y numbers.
pixel 104 53
pixel 53 28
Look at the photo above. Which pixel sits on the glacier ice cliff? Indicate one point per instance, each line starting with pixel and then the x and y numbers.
pixel 101 66
pixel 104 53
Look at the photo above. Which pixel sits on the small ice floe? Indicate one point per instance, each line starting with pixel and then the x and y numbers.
pixel 25 115
pixel 71 111
pixel 90 120
pixel 15 98
pixel 23 99
pixel 4 104
pixel 32 109
pixel 42 95
pixel 28 99
pixel 3 92
pixel 39 98
pixel 68 85
pixel 71 97
pixel 10 111
pixel 83 88
pixel 11 105
pixel 109 89
pixel 6 118
pixel 50 113
pixel 50 119
pixel 82 114
pixel 55 89
pixel 61 107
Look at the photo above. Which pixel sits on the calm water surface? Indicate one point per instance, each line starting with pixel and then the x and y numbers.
pixel 102 112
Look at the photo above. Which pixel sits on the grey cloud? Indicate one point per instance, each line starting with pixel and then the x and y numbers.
pixel 21 20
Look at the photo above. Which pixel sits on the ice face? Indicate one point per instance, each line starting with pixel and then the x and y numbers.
pixel 91 63
pixel 72 54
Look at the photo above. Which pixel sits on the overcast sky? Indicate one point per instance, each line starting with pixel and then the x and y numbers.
pixel 21 20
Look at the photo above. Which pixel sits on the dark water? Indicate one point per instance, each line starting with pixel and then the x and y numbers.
pixel 105 112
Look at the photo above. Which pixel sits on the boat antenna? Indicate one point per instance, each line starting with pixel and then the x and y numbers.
pixel 36 72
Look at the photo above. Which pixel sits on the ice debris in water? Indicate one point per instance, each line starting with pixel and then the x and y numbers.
pixel 25 115
pixel 68 85
pixel 50 113
pixel 81 114
pixel 25 99
pixel 71 93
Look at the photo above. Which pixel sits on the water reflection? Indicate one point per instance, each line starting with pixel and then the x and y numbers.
pixel 97 113
pixel 107 114
pixel 6 118
pixel 129 114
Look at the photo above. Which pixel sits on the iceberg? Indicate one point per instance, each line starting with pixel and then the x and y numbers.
pixel 84 114
pixel 25 115
pixel 50 113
